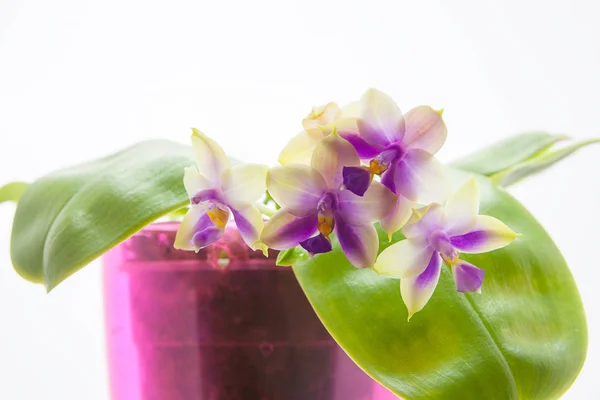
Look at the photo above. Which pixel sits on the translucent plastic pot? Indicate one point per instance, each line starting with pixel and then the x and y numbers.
pixel 223 324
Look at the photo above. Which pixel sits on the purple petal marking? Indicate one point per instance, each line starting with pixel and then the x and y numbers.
pixel 317 244
pixel 431 273
pixel 468 278
pixel 364 149
pixel 206 232
pixel 208 194
pixel 388 178
pixel 357 179
pixel 285 230
pixel 359 242
pixel 244 226
pixel 469 241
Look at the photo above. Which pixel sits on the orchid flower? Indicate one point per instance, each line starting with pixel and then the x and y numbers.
pixel 217 190
pixel 400 148
pixel 315 204
pixel 318 124
pixel 435 234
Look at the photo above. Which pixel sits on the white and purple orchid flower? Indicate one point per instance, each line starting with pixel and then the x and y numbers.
pixel 315 204
pixel 437 234
pixel 400 149
pixel 216 191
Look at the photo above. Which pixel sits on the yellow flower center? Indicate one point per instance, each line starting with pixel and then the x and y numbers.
pixel 326 224
pixel 218 217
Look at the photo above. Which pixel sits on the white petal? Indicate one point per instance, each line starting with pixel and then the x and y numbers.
pixel 321 115
pixel 250 224
pixel 382 121
pixel 331 155
pixel 285 230
pixel 417 290
pixel 487 234
pixel 406 258
pixel 420 177
pixel 399 215
pixel 425 129
pixel 296 186
pixel 194 182
pixel 301 147
pixel 244 184
pixel 462 208
pixel 211 158
pixel 376 203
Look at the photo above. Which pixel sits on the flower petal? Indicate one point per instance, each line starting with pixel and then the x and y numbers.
pixel 357 179
pixel 301 147
pixel 487 234
pixel 462 208
pixel 296 186
pixel 399 216
pixel 359 243
pixel 364 149
pixel 424 220
pixel 404 259
pixel 321 115
pixel 285 230
pixel 425 129
pixel 376 203
pixel 420 177
pixel 317 244
pixel 194 182
pixel 417 290
pixel 211 158
pixel 382 122
pixel 468 278
pixel 250 223
pixel 197 230
pixel 244 184
pixel 331 155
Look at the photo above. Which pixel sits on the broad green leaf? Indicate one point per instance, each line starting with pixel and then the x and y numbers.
pixel 12 191
pixel 66 219
pixel 524 338
pixel 537 164
pixel 507 153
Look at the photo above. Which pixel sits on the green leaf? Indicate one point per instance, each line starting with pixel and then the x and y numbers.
pixel 524 338
pixel 288 257
pixel 507 153
pixel 66 219
pixel 12 191
pixel 537 164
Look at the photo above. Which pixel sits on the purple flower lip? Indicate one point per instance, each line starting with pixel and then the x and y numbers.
pixel 317 244
pixel 357 179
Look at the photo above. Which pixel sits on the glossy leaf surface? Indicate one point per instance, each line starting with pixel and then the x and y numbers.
pixel 524 338
pixel 68 218
pixel 507 153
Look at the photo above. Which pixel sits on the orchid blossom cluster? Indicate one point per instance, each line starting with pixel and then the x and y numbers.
pixel 348 169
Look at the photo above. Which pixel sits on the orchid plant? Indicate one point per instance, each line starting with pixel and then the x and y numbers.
pixel 369 219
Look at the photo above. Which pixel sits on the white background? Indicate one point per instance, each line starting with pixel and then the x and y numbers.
pixel 80 79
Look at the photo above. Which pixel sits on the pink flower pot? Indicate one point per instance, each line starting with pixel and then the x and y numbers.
pixel 223 324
